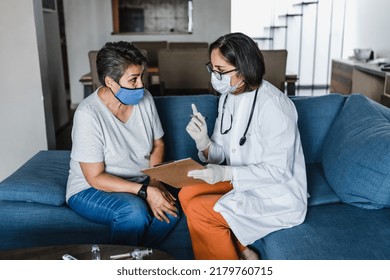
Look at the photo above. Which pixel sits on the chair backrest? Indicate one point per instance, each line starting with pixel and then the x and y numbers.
pixel 184 69
pixel 152 48
pixel 92 64
pixel 188 45
pixel 146 76
pixel 275 67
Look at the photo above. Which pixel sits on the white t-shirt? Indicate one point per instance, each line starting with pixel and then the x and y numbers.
pixel 98 136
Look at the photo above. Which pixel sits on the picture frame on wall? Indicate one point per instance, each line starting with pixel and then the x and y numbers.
pixel 49 5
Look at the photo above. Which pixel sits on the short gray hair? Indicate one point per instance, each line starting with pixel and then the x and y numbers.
pixel 115 57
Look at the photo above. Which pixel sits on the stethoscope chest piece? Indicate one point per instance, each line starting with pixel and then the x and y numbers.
pixel 242 140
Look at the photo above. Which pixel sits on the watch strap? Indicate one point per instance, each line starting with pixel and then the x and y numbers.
pixel 142 191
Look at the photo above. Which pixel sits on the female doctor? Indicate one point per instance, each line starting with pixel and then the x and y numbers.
pixel 255 182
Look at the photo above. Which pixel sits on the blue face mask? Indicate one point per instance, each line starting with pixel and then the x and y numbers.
pixel 130 96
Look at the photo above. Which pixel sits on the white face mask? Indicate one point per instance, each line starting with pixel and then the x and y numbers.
pixel 223 86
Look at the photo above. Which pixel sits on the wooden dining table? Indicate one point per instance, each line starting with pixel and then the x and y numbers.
pixel 153 79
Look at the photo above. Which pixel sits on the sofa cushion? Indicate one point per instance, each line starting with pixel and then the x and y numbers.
pixel 41 179
pixel 331 232
pixel 317 186
pixel 356 154
pixel 315 117
pixel 174 112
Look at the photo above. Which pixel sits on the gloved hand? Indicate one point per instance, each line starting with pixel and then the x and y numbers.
pixel 197 129
pixel 213 173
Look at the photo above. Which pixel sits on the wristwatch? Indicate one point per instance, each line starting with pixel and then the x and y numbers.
pixel 142 191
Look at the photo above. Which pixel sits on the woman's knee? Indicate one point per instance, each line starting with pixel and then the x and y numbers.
pixel 134 215
pixel 187 193
pixel 174 219
pixel 183 194
pixel 196 208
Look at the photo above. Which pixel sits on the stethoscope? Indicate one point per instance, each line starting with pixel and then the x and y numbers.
pixel 243 138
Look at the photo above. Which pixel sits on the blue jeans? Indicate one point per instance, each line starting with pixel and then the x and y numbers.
pixel 129 216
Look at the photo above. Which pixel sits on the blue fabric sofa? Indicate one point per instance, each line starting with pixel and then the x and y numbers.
pixel 347 152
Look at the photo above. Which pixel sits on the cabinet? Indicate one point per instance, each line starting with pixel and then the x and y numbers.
pixel 341 79
pixel 350 76
pixel 386 97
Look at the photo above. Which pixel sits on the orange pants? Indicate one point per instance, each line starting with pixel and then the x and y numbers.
pixel 212 238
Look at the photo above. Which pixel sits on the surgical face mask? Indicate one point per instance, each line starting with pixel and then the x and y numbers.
pixel 223 86
pixel 130 96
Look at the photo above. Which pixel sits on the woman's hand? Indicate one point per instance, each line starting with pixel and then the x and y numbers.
pixel 213 173
pixel 156 183
pixel 161 202
pixel 197 129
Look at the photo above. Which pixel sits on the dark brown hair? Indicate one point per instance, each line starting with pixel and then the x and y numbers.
pixel 242 52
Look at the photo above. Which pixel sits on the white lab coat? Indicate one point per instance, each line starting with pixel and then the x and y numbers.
pixel 269 176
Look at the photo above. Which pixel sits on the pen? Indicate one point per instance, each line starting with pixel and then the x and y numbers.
pixel 192 115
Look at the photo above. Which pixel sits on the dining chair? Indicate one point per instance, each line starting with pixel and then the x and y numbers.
pixel 275 67
pixel 152 48
pixel 92 64
pixel 187 45
pixel 183 70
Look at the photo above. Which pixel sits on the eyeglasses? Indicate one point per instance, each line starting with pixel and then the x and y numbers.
pixel 217 74
pixel 223 113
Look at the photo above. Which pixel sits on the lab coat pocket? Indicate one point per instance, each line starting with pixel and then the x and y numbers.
pixel 269 206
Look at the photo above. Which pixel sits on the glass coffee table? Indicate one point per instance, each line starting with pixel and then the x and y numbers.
pixel 81 252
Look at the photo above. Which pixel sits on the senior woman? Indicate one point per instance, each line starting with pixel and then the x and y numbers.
pixel 117 133
pixel 255 182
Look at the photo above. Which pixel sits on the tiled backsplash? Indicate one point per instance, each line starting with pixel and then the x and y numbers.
pixel 153 15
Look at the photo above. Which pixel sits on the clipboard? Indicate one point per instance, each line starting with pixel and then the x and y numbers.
pixel 175 173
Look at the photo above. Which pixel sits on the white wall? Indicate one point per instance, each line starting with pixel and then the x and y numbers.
pixel 89 25
pixel 367 26
pixel 309 40
pixel 251 16
pixel 22 118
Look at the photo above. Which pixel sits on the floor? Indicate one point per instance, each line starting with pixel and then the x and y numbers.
pixel 64 141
